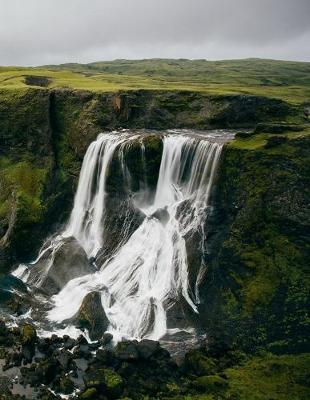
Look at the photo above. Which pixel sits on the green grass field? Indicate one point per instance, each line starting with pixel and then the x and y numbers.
pixel 288 81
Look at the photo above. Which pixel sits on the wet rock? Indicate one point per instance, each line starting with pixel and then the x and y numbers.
pixel 147 348
pixel 44 372
pixel 127 351
pixel 55 340
pixel 14 296
pixel 181 315
pixel 81 340
pixel 106 339
pixel 69 261
pixel 69 343
pixel 94 346
pixel 122 219
pixel 83 351
pixel 91 316
pixel 45 346
pixel 64 357
pixel 162 215
pixel 28 353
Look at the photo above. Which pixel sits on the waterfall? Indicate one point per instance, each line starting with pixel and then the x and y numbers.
pixel 149 273
pixel 86 221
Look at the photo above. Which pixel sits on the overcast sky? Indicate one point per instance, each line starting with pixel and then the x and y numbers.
pixel 34 32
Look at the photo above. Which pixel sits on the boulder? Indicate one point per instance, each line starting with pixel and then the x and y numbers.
pixel 91 316
pixel 42 373
pixel 64 357
pixel 127 351
pixel 106 339
pixel 14 296
pixel 66 261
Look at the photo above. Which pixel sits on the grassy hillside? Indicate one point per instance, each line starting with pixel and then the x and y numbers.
pixel 288 81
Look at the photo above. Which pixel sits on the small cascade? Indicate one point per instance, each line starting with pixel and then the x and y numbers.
pixel 148 273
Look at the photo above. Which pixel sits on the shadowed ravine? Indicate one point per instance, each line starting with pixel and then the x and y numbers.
pixel 143 279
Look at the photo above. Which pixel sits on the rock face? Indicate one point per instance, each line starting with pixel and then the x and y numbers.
pixel 58 267
pixel 14 296
pixel 121 220
pixel 122 217
pixel 257 252
pixel 91 316
pixel 45 133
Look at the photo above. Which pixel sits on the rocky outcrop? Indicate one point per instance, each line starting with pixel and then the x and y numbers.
pixel 45 132
pixel 14 296
pixel 257 247
pixel 91 316
pixel 138 370
pixel 58 265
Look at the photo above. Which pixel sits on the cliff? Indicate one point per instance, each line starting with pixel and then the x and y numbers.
pixel 257 286
pixel 45 133
pixel 255 291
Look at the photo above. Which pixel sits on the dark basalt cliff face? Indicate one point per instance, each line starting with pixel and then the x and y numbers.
pixel 44 135
pixel 255 291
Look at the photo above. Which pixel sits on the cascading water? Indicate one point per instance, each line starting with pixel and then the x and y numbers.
pixel 149 273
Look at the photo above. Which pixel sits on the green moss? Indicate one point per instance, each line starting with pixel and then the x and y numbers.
pixel 29 335
pixel 260 254
pixel 198 364
pixel 114 383
pixel 24 182
pixel 278 378
pixel 262 377
pixel 252 143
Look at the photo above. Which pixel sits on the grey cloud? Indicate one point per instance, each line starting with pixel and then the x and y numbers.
pixel 52 31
